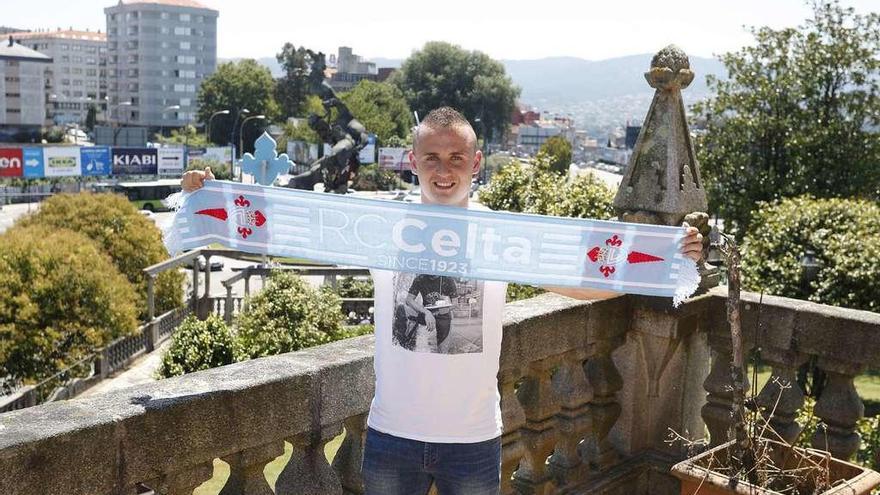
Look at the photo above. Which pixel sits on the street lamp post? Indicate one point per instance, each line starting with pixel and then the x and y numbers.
pixel 241 130
pixel 114 121
pixel 243 111
pixel 208 128
pixel 162 125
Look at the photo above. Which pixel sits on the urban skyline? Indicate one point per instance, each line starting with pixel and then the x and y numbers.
pixel 393 29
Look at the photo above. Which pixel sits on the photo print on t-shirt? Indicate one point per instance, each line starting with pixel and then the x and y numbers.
pixel 455 304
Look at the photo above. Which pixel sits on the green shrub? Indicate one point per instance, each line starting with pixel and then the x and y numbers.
pixel 289 315
pixel 516 292
pixel 199 345
pixel 350 287
pixel 868 429
pixel 536 189
pixel 373 178
pixel 62 299
pixel 221 170
pixel 131 240
pixel 844 234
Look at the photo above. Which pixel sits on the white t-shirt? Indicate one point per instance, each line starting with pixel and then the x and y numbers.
pixel 441 385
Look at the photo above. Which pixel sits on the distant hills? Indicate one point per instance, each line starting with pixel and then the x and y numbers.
pixel 599 95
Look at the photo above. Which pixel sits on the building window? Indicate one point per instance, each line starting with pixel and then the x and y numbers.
pixel 92 72
pixel 163 30
pixel 76 48
pixel 184 17
pixel 185 102
pixel 91 61
pixel 184 45
pixel 164 15
pixel 65 82
pixel 182 31
pixel 91 49
pixel 64 46
pixel 77 59
pixel 77 70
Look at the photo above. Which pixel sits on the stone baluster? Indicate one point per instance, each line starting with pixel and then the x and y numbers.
pixel 539 435
pixel 308 472
pixel 717 412
pixel 605 381
pixel 514 419
pixel 350 455
pixel 840 408
pixel 782 397
pixel 573 420
pixel 182 482
pixel 246 470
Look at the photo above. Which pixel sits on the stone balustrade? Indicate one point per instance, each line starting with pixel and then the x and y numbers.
pixel 789 333
pixel 585 400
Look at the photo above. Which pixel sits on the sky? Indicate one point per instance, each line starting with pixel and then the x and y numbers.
pixel 510 29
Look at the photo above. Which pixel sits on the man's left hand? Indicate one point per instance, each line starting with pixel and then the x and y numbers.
pixel 692 244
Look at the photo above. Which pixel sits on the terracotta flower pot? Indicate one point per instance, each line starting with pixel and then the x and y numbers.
pixel 698 474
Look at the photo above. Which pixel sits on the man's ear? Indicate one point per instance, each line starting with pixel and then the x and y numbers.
pixel 412 162
pixel 478 161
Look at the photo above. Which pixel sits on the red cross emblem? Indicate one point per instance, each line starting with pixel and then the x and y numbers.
pixel 611 254
pixel 242 215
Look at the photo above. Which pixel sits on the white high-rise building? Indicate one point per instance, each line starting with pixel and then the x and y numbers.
pixel 22 91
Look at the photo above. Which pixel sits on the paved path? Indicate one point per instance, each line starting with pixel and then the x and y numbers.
pixel 9 213
pixel 141 371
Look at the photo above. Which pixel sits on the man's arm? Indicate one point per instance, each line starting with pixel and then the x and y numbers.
pixel 691 247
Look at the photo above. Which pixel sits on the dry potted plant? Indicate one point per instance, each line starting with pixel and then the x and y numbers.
pixel 758 460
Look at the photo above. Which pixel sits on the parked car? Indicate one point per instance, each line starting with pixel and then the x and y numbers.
pixel 216 265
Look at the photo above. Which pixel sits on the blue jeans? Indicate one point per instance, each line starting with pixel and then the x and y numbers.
pixel 399 466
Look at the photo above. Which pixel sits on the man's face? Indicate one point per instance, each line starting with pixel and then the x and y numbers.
pixel 445 160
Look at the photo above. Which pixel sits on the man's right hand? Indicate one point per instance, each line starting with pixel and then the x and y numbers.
pixel 195 179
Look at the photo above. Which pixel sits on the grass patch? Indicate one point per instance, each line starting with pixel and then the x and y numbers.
pixel 271 471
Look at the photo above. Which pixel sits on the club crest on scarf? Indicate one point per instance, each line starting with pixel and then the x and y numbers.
pixel 243 216
pixel 612 254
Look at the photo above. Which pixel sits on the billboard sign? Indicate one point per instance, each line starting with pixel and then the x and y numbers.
pixel 11 162
pixel 95 160
pixel 394 158
pixel 33 162
pixel 301 152
pixel 135 161
pixel 62 161
pixel 170 160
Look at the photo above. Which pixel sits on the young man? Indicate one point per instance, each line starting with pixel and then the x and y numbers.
pixel 436 415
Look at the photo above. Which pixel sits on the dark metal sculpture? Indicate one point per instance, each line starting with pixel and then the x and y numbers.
pixel 345 134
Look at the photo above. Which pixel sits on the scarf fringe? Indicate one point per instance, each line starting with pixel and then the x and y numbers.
pixel 688 281
pixel 170 234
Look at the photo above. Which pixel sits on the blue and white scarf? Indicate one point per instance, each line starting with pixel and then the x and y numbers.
pixel 439 240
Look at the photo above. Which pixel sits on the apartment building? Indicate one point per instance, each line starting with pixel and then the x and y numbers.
pixel 22 93
pixel 159 51
pixel 77 77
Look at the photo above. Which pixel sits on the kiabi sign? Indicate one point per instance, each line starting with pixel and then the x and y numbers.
pixel 135 161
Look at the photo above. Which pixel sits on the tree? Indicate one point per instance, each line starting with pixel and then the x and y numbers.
pixel 236 86
pixel 471 82
pixel 798 115
pixel 131 240
pixel 558 152
pixel 382 109
pixel 292 89
pixel 91 118
pixel 62 299
pixel 188 135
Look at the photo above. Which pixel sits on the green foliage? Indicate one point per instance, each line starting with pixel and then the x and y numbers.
pixel 130 239
pixel 62 299
pixel 381 108
pixel 356 331
pixel 798 115
pixel 53 134
pixel 868 428
pixel 188 135
pixel 534 189
pixel 516 292
pixel 442 74
pixel 289 315
pixel 373 178
pixel 354 287
pixel 844 234
pixel 91 117
pixel 221 170
pixel 292 89
pixel 558 151
pixel 198 345
pixel 236 86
